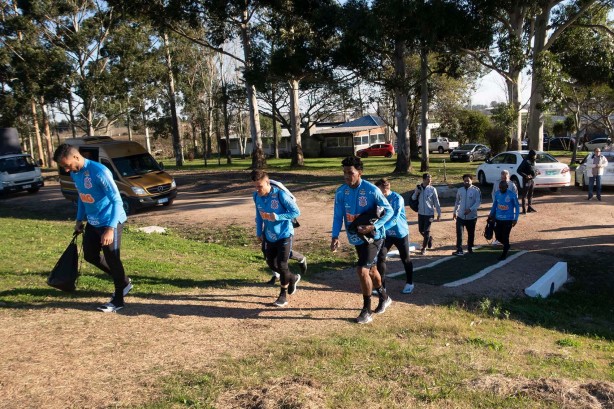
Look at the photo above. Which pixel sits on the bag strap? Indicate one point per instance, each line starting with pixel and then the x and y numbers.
pixel 79 253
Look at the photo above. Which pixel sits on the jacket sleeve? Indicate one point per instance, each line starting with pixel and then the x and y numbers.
pixel 493 209
pixel 259 221
pixel 436 202
pixel 105 180
pixel 457 201
pixel 522 169
pixel 337 215
pixel 478 201
pixel 516 207
pixel 383 203
pixel 396 211
pixel 290 205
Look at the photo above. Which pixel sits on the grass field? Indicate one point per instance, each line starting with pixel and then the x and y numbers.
pixel 478 353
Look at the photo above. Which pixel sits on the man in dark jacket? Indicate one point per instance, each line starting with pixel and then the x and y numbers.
pixel 528 172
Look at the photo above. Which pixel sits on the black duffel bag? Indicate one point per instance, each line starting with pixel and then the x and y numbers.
pixel 489 229
pixel 66 271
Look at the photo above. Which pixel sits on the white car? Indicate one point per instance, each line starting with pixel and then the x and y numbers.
pixel 582 174
pixel 600 143
pixel 550 172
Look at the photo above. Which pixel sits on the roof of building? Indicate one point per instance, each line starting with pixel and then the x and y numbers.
pixel 365 121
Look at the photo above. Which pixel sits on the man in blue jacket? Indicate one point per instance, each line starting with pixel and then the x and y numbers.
pixel 354 198
pixel 275 210
pixel 505 211
pixel 397 234
pixel 100 204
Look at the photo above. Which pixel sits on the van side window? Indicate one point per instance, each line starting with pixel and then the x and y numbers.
pixel 108 165
pixel 89 153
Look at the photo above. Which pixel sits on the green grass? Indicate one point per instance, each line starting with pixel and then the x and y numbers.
pixel 458 268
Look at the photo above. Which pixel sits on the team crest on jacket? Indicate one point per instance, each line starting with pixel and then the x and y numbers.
pixel 87 182
pixel 362 201
pixel 274 204
pixel 362 192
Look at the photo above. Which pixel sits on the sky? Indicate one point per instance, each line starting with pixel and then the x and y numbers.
pixel 491 87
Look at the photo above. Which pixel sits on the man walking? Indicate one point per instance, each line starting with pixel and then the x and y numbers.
pixel 357 198
pixel 100 204
pixel 504 211
pixel 595 165
pixel 468 200
pixel 274 212
pixel 528 171
pixel 505 177
pixel 397 234
pixel 428 202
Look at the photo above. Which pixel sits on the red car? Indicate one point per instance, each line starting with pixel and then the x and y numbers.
pixel 379 149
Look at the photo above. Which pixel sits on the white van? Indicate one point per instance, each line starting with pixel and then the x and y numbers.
pixel 19 172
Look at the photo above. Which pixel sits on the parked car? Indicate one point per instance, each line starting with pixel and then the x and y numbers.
pixel 582 175
pixel 379 149
pixel 551 173
pixel 470 152
pixel 442 145
pixel 564 143
pixel 596 143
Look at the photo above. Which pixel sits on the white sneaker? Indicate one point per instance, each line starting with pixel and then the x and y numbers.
pixel 275 274
pixel 496 243
pixel 127 289
pixel 109 307
pixel 408 288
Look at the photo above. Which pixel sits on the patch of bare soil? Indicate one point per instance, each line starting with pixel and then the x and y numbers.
pixel 65 354
pixel 295 393
pixel 562 393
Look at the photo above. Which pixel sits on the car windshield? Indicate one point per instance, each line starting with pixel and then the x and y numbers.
pixel 136 164
pixel 466 147
pixel 542 158
pixel 17 164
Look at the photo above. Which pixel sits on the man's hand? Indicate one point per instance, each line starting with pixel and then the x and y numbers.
pixel 79 227
pixel 438 217
pixel 365 229
pixel 334 244
pixel 107 236
pixel 454 216
pixel 467 211
pixel 514 223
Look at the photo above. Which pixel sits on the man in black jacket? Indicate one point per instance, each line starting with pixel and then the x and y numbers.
pixel 528 172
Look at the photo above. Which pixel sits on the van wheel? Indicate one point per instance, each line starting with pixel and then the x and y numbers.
pixel 440 149
pixel 33 189
pixel 482 178
pixel 554 189
pixel 388 155
pixel 170 202
pixel 127 207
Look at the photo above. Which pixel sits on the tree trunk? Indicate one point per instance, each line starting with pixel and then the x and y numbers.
pixel 258 158
pixel 129 123
pixel 73 125
pixel 403 164
pixel 177 148
pixel 274 118
pixel 513 90
pixel 37 132
pixel 226 123
pixel 536 118
pixel 424 114
pixel 47 132
pixel 295 123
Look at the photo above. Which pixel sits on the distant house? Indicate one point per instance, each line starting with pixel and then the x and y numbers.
pixel 347 138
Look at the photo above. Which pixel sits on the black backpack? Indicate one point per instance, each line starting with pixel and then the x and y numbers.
pixel 414 204
pixel 66 271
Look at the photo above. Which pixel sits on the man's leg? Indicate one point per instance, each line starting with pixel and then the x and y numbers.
pixel 459 236
pixel 302 260
pixel 598 182
pixel 92 248
pixel 525 190
pixel 530 196
pixel 403 247
pixel 424 230
pixel 275 275
pixel 470 225
pixel 381 260
pixel 591 184
pixel 116 267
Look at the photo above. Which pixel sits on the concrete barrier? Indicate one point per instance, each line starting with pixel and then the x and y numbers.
pixel 549 282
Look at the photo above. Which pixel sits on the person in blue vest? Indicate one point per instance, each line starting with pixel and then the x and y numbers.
pixel 505 210
pixel 358 199
pixel 275 210
pixel 100 204
pixel 397 234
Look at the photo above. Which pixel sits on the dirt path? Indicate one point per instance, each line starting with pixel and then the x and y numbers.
pixel 62 355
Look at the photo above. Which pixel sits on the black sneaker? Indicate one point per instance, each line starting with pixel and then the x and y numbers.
pixel 502 257
pixel 430 242
pixel 470 250
pixel 383 304
pixel 531 210
pixel 272 280
pixel 110 307
pixel 293 283
pixel 365 317
pixel 303 265
pixel 458 252
pixel 281 301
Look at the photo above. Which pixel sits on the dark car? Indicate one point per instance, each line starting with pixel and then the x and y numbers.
pixel 470 152
pixel 378 149
pixel 564 143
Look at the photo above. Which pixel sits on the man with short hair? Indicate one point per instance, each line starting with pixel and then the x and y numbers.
pixel 428 203
pixel 397 234
pixel 505 177
pixel 468 200
pixel 504 211
pixel 528 172
pixel 100 204
pixel 355 199
pixel 595 165
pixel 275 210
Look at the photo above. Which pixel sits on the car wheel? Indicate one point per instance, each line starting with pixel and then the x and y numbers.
pixel 555 189
pixel 33 189
pixel 482 178
pixel 440 149
pixel 584 183
pixel 470 158
pixel 364 155
pixel 129 209
pixel 388 155
pixel 170 202
pixel 517 183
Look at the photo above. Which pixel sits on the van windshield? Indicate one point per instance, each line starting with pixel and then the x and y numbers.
pixel 136 165
pixel 17 164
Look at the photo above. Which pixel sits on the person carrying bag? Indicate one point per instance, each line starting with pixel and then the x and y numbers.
pixel 66 271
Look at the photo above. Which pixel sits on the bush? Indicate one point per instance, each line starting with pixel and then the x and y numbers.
pixel 496 138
